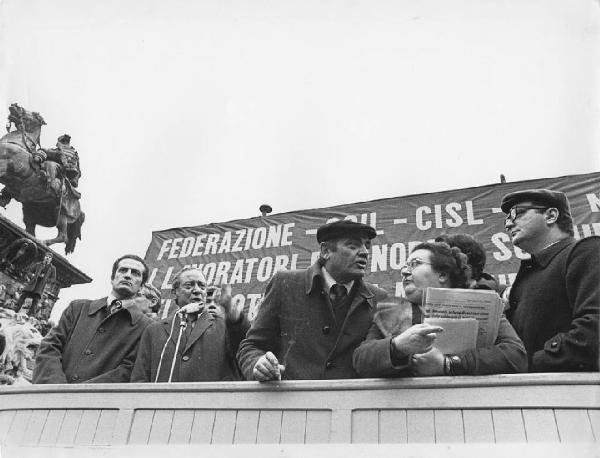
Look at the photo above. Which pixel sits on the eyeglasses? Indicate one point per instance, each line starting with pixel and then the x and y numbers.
pixel 413 263
pixel 518 210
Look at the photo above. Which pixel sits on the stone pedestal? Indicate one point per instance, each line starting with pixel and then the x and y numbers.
pixel 14 272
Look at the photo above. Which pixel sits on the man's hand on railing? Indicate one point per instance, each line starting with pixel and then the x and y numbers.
pixel 267 368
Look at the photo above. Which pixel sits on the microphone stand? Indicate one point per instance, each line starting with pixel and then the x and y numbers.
pixel 182 326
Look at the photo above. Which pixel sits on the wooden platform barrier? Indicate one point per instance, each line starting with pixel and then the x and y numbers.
pixel 503 409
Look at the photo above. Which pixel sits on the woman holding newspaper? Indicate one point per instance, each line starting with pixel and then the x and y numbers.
pixel 402 342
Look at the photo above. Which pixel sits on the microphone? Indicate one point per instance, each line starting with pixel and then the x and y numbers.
pixel 190 309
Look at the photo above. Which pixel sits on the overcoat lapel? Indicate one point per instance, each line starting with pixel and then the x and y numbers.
pixel 362 298
pixel 204 321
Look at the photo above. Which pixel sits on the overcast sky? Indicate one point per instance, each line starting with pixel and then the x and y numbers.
pixel 196 111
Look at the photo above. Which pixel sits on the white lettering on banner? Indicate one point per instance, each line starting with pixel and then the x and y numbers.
pixel 250 266
pixel 422 225
pixel 199 244
pixel 274 236
pixel 282 261
pixel 225 243
pixel 187 247
pixel 152 275
pixel 175 248
pixel 265 269
pixel 456 220
pixel 364 218
pixel 500 239
pixel 287 233
pixel 379 257
pixel 394 257
pixel 594 201
pixel 238 270
pixel 237 245
pixel 165 283
pixel 259 238
pixel 164 248
pixel 471 220
pixel 423 221
pixel 211 244
pixel 398 255
pixel 222 269
pixel 209 272
pixel 248 239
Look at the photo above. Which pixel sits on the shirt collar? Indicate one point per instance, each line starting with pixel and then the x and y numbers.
pixel 330 281
pixel 109 300
pixel 134 312
pixel 544 257
pixel 315 279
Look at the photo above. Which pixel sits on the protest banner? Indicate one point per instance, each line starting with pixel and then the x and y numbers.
pixel 247 252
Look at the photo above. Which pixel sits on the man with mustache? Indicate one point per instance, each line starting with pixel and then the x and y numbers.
pixel 555 298
pixel 311 320
pixel 97 341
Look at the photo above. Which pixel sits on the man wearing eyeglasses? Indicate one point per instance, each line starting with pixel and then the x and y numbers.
pixel 555 298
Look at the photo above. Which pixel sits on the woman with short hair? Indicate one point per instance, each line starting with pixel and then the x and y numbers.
pixel 400 344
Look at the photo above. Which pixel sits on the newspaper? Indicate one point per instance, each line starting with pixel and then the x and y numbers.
pixel 485 306
pixel 460 334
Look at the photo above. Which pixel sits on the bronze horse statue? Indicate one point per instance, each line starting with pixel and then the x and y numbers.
pixel 47 196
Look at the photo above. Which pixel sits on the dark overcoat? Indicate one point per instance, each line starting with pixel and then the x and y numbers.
pixel 555 306
pixel 90 346
pixel 297 323
pixel 206 352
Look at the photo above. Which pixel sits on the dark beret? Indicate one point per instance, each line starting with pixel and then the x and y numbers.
pixel 554 199
pixel 344 228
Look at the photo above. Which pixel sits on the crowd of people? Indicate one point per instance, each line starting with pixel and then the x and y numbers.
pixel 326 322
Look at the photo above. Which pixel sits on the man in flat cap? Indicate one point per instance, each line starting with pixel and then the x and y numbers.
pixel 311 320
pixel 555 298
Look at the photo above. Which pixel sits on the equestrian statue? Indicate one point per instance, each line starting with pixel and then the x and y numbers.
pixel 44 181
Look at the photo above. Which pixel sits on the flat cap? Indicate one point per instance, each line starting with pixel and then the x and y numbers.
pixel 344 228
pixel 554 199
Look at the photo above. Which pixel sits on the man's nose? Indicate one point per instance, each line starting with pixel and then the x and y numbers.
pixel 508 223
pixel 363 250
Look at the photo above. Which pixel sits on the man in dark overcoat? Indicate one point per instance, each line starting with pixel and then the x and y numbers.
pixel 554 302
pixel 205 334
pixel 311 321
pixel 43 273
pixel 97 341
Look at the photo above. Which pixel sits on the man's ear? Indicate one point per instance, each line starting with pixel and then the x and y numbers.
pixel 552 215
pixel 325 252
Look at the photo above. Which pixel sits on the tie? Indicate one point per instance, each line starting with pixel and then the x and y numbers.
pixel 115 306
pixel 337 294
